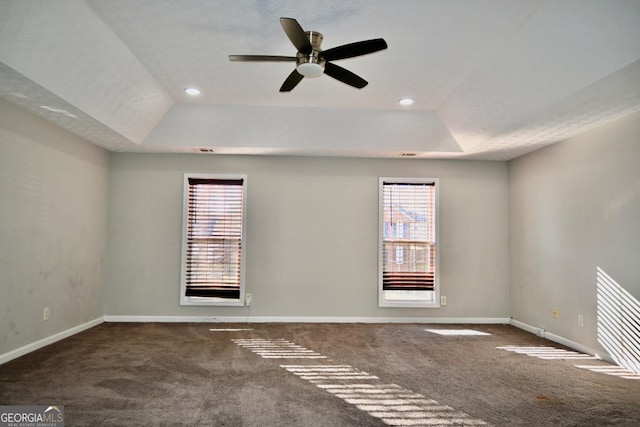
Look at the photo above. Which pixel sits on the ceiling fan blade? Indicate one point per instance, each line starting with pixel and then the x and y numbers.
pixel 296 35
pixel 354 49
pixel 261 58
pixel 345 76
pixel 292 81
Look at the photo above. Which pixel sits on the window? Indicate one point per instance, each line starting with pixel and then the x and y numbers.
pixel 408 264
pixel 213 240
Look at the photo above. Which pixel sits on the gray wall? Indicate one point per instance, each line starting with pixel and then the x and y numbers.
pixel 312 232
pixel 53 229
pixel 575 207
pixel 312 228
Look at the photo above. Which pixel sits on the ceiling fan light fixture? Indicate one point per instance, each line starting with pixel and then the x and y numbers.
pixel 310 69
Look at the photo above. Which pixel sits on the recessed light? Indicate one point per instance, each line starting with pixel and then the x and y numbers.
pixel 193 91
pixel 405 101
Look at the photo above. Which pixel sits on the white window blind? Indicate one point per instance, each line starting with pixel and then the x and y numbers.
pixel 214 238
pixel 408 244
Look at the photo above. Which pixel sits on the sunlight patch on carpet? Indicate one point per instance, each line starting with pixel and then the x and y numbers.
pixel 277 349
pixel 390 403
pixel 397 406
pixel 552 353
pixel 327 372
pixel 456 332
pixel 547 353
pixel 614 370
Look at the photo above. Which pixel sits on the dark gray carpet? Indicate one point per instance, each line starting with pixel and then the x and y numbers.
pixel 185 374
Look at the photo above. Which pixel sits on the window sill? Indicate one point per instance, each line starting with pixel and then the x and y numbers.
pixel 214 302
pixel 407 304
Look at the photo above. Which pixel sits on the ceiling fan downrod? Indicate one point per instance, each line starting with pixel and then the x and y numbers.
pixel 311 64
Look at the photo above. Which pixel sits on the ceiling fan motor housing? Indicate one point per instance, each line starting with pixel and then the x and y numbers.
pixel 311 64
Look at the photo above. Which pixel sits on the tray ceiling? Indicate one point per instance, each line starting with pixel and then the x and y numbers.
pixel 491 79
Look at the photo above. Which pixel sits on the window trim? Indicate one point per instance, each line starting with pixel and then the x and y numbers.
pixel 211 301
pixel 408 303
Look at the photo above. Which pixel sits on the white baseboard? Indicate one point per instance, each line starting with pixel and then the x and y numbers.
pixel 6 357
pixel 14 354
pixel 302 319
pixel 525 327
pixel 561 340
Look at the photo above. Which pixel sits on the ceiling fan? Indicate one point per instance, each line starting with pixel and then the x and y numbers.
pixel 312 61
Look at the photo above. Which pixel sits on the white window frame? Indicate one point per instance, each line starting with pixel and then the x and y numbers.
pixel 408 299
pixel 211 301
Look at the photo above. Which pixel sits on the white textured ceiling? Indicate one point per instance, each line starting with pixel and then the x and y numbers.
pixel 491 79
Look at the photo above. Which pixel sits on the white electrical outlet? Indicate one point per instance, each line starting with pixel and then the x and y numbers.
pixel 443 300
pixel 247 299
pixel 581 320
pixel 45 314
